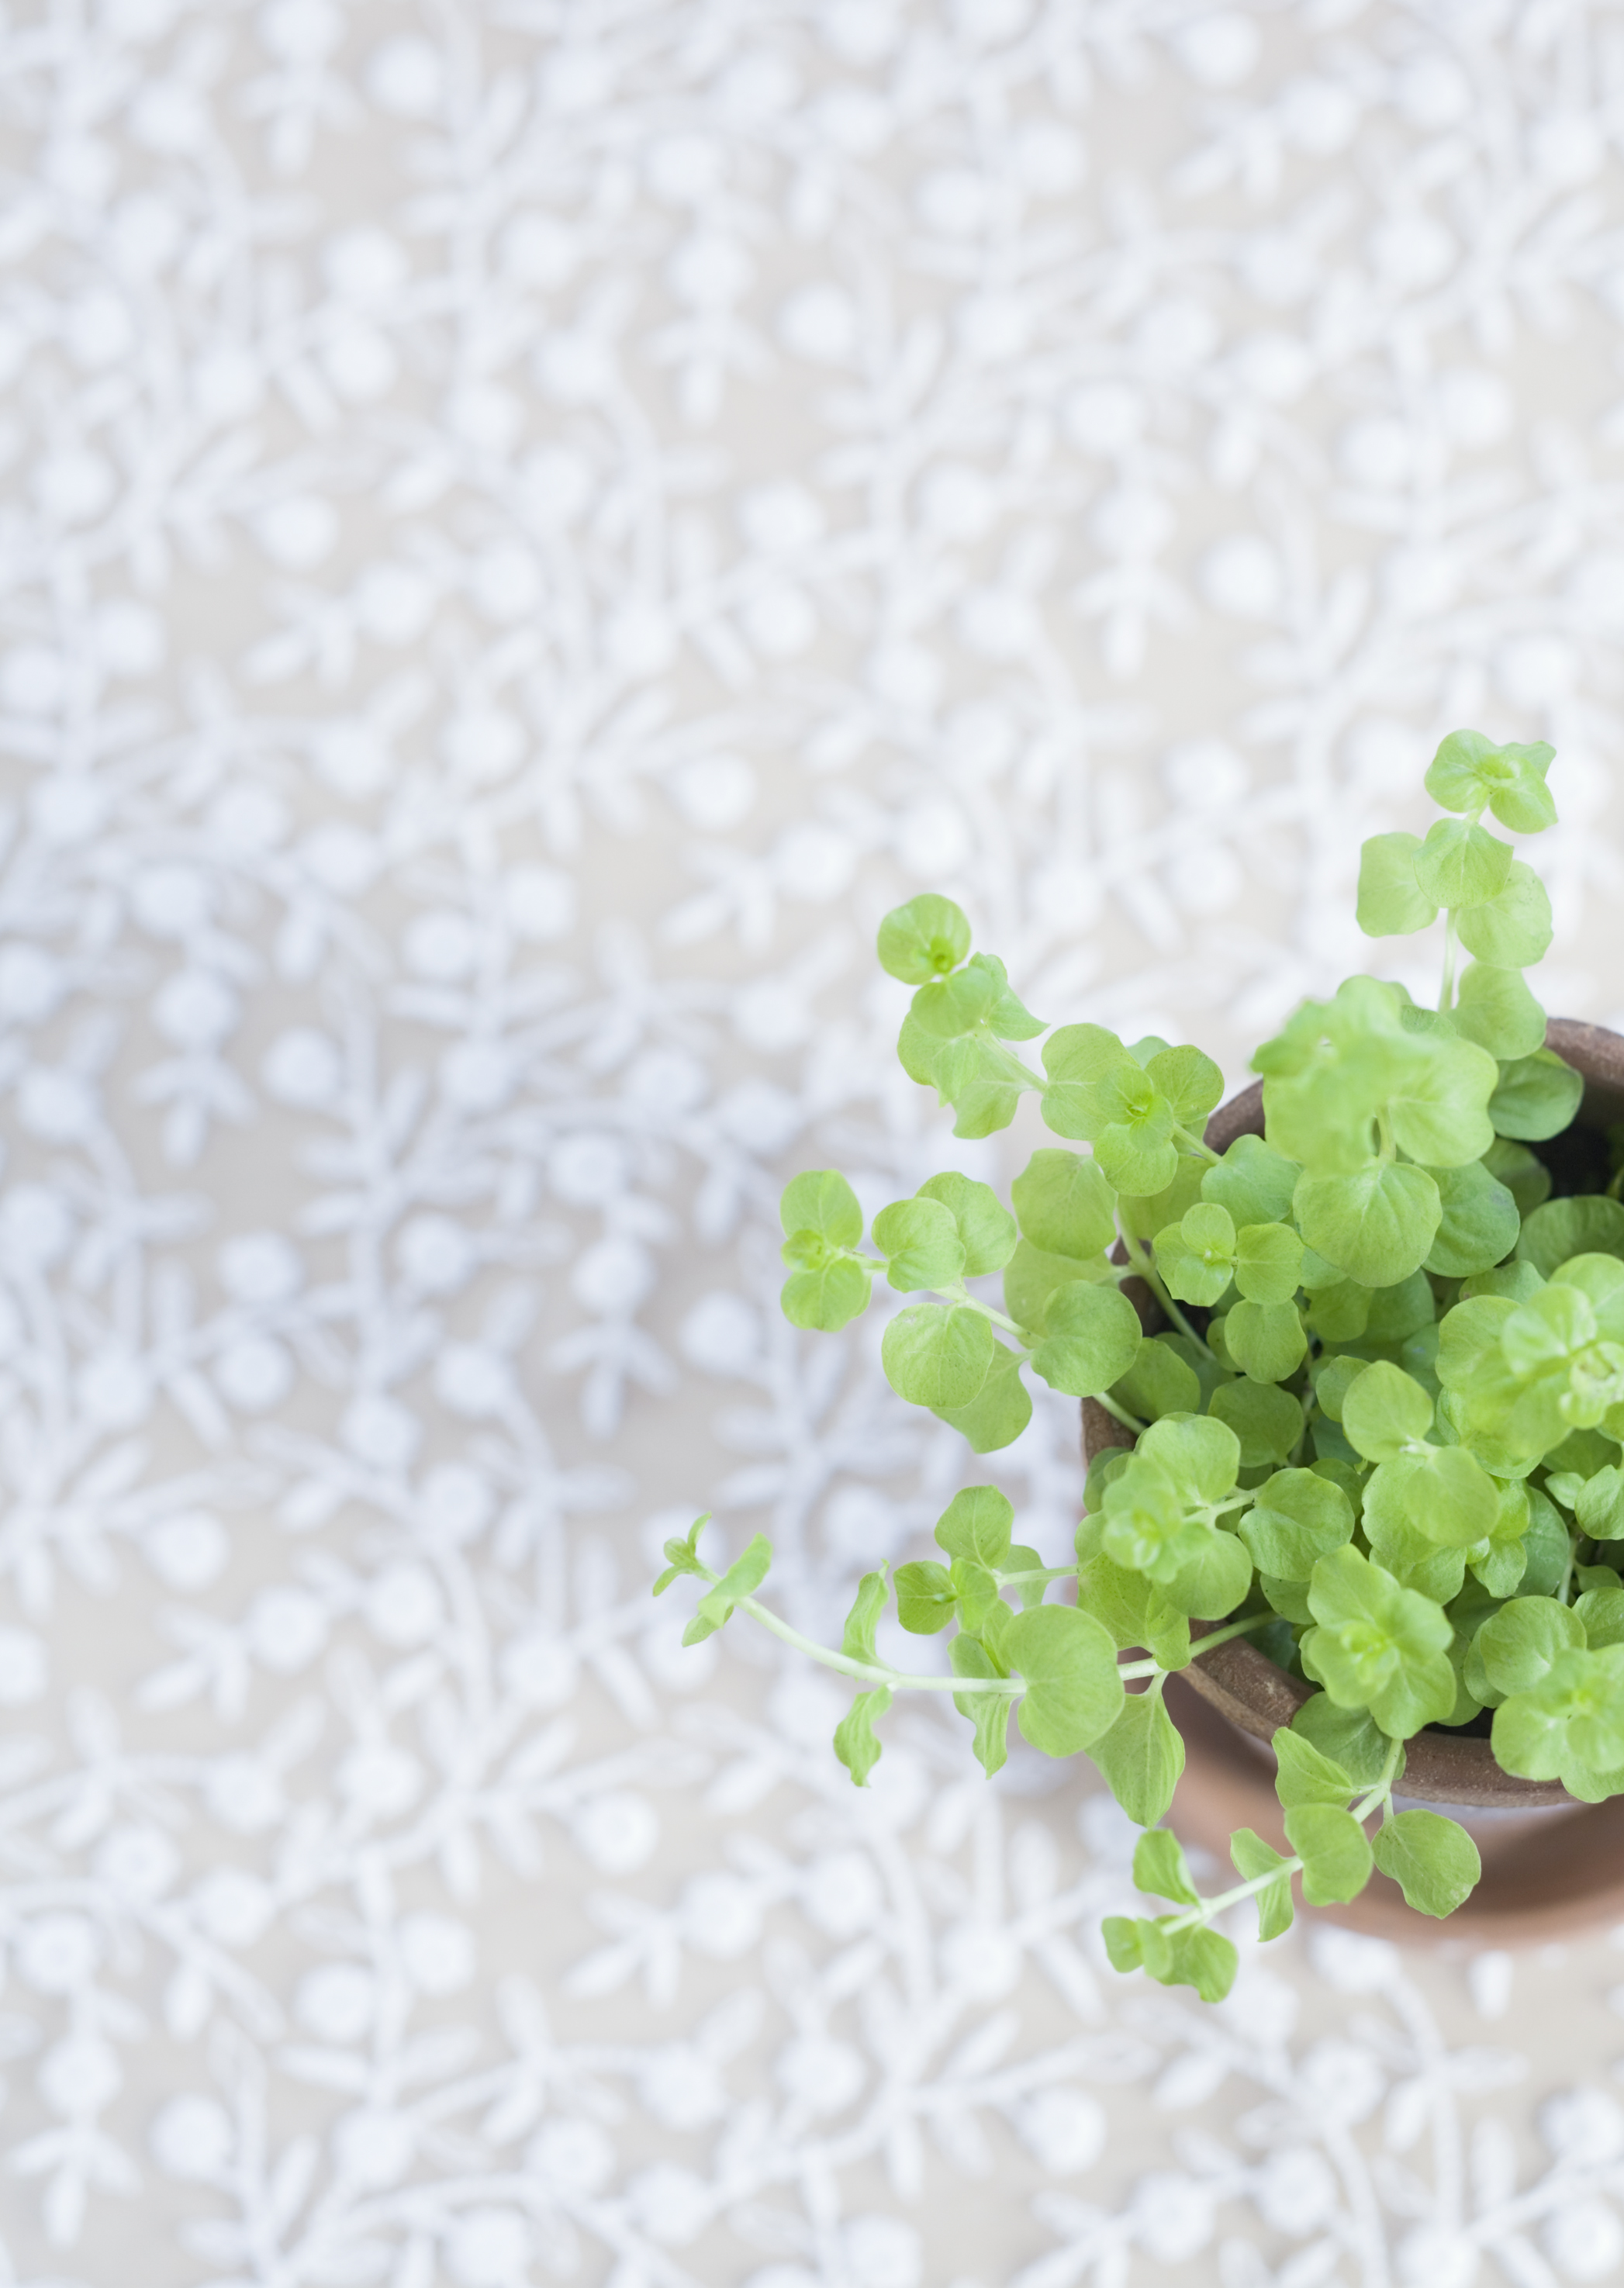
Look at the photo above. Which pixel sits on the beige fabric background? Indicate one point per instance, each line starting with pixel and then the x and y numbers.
pixel 526 526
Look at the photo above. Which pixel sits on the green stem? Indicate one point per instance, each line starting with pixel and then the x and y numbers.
pixel 1131 1671
pixel 1197 1916
pixel 1120 1413
pixel 1153 1278
pixel 871 1673
pixel 1196 1144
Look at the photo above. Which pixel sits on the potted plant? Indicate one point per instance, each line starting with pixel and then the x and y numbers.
pixel 1361 1429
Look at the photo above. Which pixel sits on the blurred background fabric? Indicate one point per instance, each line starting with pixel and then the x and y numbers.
pixel 526 526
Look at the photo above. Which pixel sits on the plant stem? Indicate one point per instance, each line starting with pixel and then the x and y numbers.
pixel 1196 1144
pixel 1153 1278
pixel 1128 1421
pixel 871 1673
pixel 1131 1671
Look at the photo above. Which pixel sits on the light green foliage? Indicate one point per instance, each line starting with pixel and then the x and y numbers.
pixel 1459 864
pixel 1268 1422
pixel 1266 1340
pixel 925 940
pixel 742 1579
pixel 1092 1340
pixel 920 1241
pixel 1253 1857
pixel 1141 1757
pixel 1495 1009
pixel 1064 1205
pixel 1390 1380
pixel 1391 902
pixel 1536 1098
pixel 1469 772
pixel 1378 1646
pixel 1161 1867
pixel 1297 1518
pixel 1335 1852
pixel 1479 1225
pixel 1074 1692
pixel 936 1354
pixel 1433 1860
pixel 856 1743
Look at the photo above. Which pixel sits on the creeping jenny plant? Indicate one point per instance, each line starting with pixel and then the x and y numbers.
pixel 1381 1434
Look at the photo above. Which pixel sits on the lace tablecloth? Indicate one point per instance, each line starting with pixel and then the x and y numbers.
pixel 528 524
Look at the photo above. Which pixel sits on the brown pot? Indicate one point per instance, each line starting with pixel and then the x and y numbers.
pixel 1550 1866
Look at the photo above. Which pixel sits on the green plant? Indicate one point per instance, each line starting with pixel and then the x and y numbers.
pixel 1381 1433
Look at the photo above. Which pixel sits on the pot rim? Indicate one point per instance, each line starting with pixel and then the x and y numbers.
pixel 1243 1683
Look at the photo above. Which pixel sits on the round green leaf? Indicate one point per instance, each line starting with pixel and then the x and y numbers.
pixel 1480 1222
pixel 975 1525
pixel 1266 1340
pixel 1073 1688
pixel 1438 1109
pixel 1064 1205
pixel 1159 1382
pixel 1335 1851
pixel 1494 1008
pixel 921 1243
pixel 1267 1421
pixel 1588 1224
pixel 1513 928
pixel 1253 1181
pixel 1462 865
pixel 1268 1262
pixel 1537 1097
pixel 1433 1860
pixel 1000 1409
pixel 936 1354
pixel 1468 771
pixel 1377 1226
pixel 825 1297
pixel 1383 1411
pixel 1141 1757
pixel 986 1227
pixel 923 940
pixel 1298 1518
pixel 1093 1338
pixel 1390 901
pixel 822 1201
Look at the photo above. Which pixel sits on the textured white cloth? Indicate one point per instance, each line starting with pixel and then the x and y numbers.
pixel 527 525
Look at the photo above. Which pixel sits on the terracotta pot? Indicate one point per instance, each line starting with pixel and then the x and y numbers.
pixel 1550 1866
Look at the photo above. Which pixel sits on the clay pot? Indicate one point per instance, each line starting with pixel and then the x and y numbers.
pixel 1550 1866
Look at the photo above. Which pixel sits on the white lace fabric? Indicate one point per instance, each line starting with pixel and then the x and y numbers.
pixel 526 527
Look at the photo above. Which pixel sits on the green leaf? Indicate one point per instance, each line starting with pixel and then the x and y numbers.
pixel 1253 1857
pixel 857 1639
pixel 742 1577
pixel 1439 1107
pixel 1306 1775
pixel 1268 1423
pixel 1268 1262
pixel 1253 1181
pixel 1433 1861
pixel 921 1243
pixel 822 1201
pixel 1064 1205
pixel 1210 1585
pixel 1523 1172
pixel 1141 1757
pixel 1093 1338
pixel 681 1556
pixel 1377 1226
pixel 1191 1083
pixel 1513 929
pixel 926 1599
pixel 1494 1008
pixel 1598 1509
pixel 1335 1851
pixel 1568 1726
pixel 1160 1381
pixel 1000 1409
pixel 1444 1495
pixel 1298 1518
pixel 1266 1340
pixel 923 940
pixel 1159 1867
pixel 988 1712
pixel 1377 1645
pixel 1073 1689
pixel 1480 1221
pixel 1348 1737
pixel 1468 771
pixel 1195 1256
pixel 1390 903
pixel 1462 865
pixel 1520 1644
pixel 1031 1277
pixel 855 1740
pixel 1589 1224
pixel 975 1525
pixel 1142 1215
pixel 826 1298
pixel 1537 1097
pixel 1091 1080
pixel 985 1226
pixel 1202 1958
pixel 936 1354
pixel 1384 1410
